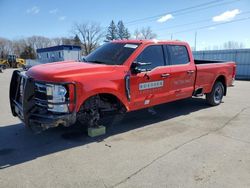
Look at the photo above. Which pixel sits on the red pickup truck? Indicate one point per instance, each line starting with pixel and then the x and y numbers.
pixel 119 76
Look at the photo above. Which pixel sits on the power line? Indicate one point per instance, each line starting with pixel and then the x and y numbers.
pixel 220 4
pixel 186 24
pixel 172 12
pixel 192 23
pixel 197 10
pixel 208 26
pixel 183 11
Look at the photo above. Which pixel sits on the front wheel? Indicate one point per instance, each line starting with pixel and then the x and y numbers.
pixel 214 98
pixel 89 114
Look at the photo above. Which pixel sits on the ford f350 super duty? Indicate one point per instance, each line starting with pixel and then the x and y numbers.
pixel 119 76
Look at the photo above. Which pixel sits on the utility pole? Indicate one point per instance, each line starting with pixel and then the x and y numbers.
pixel 172 36
pixel 195 40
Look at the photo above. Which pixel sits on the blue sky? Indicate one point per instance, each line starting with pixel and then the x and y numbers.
pixel 55 18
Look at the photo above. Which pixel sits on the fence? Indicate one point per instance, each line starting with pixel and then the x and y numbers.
pixel 240 56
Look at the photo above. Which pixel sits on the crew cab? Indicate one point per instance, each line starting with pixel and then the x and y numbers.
pixel 118 77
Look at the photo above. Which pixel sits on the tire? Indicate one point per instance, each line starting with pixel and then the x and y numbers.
pixel 89 114
pixel 214 98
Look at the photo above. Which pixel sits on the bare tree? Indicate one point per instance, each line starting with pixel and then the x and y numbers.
pixel 18 46
pixel 145 33
pixel 137 34
pixel 90 34
pixel 233 45
pixel 38 42
pixel 5 47
pixel 226 46
pixel 56 41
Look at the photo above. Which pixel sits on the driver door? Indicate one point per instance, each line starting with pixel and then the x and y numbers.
pixel 151 86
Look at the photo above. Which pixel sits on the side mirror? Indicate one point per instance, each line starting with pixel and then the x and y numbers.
pixel 136 67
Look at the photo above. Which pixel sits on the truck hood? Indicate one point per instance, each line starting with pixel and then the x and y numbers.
pixel 67 70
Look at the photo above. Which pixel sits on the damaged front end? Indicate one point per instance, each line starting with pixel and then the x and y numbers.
pixel 42 105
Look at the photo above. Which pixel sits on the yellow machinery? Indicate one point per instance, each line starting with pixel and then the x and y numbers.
pixel 12 62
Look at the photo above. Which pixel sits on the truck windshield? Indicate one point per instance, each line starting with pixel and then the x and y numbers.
pixel 112 53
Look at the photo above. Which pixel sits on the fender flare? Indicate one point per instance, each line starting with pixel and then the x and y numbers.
pixel 225 83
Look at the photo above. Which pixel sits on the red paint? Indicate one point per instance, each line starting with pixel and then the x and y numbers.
pixel 92 79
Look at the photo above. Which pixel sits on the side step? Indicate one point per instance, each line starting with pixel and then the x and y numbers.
pixel 198 92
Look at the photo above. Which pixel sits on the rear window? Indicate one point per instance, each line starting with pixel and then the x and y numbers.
pixel 112 53
pixel 178 54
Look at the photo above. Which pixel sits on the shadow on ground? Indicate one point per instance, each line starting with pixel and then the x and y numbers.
pixel 19 145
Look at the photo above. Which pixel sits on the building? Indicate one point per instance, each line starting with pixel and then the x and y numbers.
pixel 240 56
pixel 59 53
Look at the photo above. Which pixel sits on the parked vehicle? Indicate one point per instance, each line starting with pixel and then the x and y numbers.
pixel 120 76
pixel 12 62
pixel 2 67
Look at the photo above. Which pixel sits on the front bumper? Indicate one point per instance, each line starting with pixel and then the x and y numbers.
pixel 24 106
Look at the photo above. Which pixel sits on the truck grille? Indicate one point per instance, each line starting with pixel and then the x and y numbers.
pixel 40 95
pixel 21 89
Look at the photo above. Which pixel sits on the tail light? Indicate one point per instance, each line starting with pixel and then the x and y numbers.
pixel 234 72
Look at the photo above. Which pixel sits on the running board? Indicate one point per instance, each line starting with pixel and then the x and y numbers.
pixel 198 92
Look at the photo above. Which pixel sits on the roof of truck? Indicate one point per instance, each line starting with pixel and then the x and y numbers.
pixel 151 41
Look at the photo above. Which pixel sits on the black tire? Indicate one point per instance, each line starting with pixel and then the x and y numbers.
pixel 214 98
pixel 89 115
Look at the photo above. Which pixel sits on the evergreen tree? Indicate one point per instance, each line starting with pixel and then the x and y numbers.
pixel 28 53
pixel 123 32
pixel 112 32
pixel 126 34
pixel 77 41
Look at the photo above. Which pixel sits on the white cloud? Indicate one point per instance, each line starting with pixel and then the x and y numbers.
pixel 165 18
pixel 53 11
pixel 226 16
pixel 62 18
pixel 33 10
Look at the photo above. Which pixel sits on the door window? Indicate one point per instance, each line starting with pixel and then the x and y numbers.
pixel 178 54
pixel 152 54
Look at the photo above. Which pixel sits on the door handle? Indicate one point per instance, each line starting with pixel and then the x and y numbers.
pixel 165 75
pixel 190 71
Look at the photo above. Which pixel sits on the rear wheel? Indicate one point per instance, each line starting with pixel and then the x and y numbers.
pixel 214 98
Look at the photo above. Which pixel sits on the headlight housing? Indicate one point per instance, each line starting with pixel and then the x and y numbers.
pixel 58 98
pixel 56 95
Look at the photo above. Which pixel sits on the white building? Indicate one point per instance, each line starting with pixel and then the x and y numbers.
pixel 59 53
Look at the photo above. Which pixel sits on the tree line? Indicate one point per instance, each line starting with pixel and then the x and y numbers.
pixel 229 45
pixel 88 35
pixel 26 47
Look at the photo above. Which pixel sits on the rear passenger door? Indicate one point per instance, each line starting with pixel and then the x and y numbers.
pixel 182 72
pixel 150 87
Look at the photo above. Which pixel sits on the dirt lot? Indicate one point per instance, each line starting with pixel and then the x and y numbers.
pixel 186 144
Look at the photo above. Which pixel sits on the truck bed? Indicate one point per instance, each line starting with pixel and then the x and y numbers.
pixel 208 71
pixel 200 62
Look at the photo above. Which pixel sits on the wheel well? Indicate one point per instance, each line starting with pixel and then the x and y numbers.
pixel 108 101
pixel 222 79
